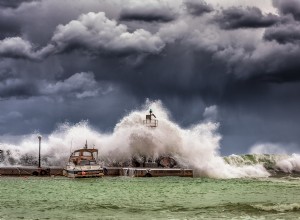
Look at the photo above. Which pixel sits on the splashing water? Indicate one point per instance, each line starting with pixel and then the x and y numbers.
pixel 196 147
pixel 289 164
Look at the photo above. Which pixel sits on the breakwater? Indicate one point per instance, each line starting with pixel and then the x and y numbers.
pixel 108 171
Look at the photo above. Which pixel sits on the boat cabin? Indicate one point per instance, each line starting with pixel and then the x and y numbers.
pixel 84 157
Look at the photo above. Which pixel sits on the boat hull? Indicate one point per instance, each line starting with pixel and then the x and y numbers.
pixel 83 173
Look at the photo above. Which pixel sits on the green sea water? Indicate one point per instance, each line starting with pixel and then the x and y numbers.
pixel 149 198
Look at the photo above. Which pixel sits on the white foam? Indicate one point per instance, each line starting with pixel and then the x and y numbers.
pixel 278 207
pixel 290 164
pixel 196 147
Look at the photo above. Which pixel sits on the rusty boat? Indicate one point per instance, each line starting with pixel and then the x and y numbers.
pixel 83 163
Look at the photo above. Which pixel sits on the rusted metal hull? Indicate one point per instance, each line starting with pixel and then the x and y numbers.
pixel 80 174
pixel 83 173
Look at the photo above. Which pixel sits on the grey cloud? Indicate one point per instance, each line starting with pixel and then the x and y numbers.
pixel 288 7
pixel 97 33
pixel 19 88
pixel 13 3
pixel 42 114
pixel 266 116
pixel 16 47
pixel 249 17
pixel 288 33
pixel 189 63
pixel 198 7
pixel 269 62
pixel 6 70
pixel 9 25
pixel 37 20
pixel 80 85
pixel 152 11
pixel 9 117
pixel 92 32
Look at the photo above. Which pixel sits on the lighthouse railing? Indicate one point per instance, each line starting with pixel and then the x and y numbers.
pixel 150 122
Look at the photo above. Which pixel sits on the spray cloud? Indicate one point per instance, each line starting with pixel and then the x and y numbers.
pixel 196 147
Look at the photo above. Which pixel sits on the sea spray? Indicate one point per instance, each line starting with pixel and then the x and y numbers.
pixel 289 164
pixel 196 147
pixel 269 161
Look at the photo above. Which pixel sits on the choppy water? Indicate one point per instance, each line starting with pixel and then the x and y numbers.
pixel 149 198
pixel 229 193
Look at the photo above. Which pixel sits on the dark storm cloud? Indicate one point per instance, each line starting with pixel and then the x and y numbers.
pixel 43 114
pixel 92 32
pixel 8 27
pixel 16 47
pixel 269 62
pixel 148 12
pixel 198 7
pixel 95 32
pixel 287 7
pixel 9 24
pixel 78 86
pixel 17 88
pixel 37 20
pixel 98 60
pixel 249 17
pixel 288 33
pixel 13 3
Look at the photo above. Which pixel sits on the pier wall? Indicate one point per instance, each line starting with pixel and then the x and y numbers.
pixel 108 171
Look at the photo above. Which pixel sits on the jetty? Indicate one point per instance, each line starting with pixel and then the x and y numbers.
pixel 108 171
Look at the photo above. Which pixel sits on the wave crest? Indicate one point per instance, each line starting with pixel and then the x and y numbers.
pixel 196 147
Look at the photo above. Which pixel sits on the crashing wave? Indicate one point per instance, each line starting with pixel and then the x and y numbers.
pixel 272 162
pixel 196 147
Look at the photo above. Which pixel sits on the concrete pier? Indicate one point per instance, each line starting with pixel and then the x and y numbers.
pixel 31 171
pixel 155 172
pixel 108 171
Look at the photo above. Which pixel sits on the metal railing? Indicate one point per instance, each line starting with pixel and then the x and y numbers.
pixel 150 123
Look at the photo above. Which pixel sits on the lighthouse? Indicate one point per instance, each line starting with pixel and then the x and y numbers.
pixel 151 120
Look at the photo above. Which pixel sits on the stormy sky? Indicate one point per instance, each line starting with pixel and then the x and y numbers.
pixel 98 60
